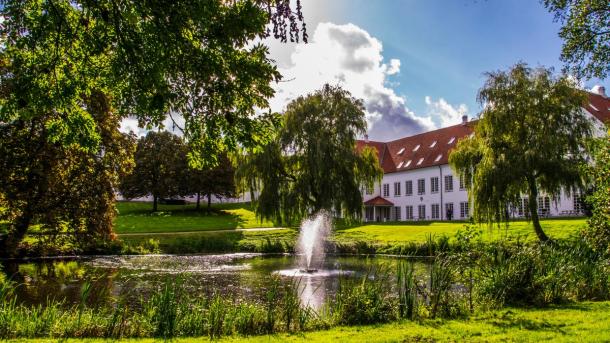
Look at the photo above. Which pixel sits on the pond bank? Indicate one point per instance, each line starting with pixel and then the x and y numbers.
pixel 582 322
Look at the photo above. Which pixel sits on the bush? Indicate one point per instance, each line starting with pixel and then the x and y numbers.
pixel 364 301
pixel 543 274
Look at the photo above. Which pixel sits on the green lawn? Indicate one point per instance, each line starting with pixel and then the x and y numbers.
pixel 136 217
pixel 580 322
pixel 418 232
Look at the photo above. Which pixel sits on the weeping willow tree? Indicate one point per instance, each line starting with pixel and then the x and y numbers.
pixel 311 163
pixel 529 140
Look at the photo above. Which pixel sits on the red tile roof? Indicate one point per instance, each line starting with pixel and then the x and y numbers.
pixel 404 154
pixel 394 159
pixel 378 201
pixel 599 107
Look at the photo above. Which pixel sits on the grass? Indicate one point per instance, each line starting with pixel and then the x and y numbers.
pixel 419 231
pixel 581 322
pixel 136 217
pixel 368 238
pixel 281 240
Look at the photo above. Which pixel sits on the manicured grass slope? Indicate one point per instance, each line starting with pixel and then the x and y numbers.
pixel 418 232
pixel 136 217
pixel 581 322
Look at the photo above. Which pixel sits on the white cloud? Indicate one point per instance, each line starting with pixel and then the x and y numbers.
pixel 131 125
pixel 174 126
pixel 446 114
pixel 348 56
pixel 394 67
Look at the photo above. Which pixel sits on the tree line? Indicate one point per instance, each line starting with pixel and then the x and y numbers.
pixel 162 170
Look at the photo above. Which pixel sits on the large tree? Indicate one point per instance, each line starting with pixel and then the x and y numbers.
pixel 598 230
pixel 151 59
pixel 67 191
pixel 586 35
pixel 218 181
pixel 531 138
pixel 144 59
pixel 160 168
pixel 312 163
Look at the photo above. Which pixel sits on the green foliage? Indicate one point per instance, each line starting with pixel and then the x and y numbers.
pixel 408 292
pixel 160 168
pixel 218 181
pixel 151 59
pixel 598 230
pixel 530 138
pixel 312 163
pixel 66 191
pixel 365 300
pixel 542 274
pixel 586 35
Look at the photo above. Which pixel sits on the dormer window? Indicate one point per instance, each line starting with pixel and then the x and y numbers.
pixel 433 144
pixel 593 107
pixel 451 140
pixel 401 151
pixel 408 163
pixel 420 161
pixel 438 158
pixel 416 148
pixel 399 165
pixel 472 135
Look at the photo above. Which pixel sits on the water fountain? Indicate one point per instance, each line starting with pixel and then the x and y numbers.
pixel 311 242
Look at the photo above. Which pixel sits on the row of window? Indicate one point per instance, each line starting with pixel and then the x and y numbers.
pixel 544 204
pixel 421 186
pixel 435 210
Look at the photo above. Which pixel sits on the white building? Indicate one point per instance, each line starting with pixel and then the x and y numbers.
pixel 418 183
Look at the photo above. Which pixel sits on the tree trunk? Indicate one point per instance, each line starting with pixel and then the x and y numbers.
pixel 209 203
pixel 154 203
pixel 8 246
pixel 533 209
pixel 198 200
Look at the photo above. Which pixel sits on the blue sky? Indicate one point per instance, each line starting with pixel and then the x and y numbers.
pixel 444 47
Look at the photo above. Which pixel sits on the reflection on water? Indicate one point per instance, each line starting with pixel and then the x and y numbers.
pixel 133 278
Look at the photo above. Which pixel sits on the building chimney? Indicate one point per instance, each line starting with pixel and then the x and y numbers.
pixel 464 119
pixel 366 138
pixel 599 90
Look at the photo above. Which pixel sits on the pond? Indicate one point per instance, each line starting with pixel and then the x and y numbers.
pixel 135 278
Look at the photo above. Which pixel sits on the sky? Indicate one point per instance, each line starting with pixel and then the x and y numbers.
pixel 417 64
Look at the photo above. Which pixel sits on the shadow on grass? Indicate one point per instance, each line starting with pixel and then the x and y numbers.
pixel 138 217
pixel 510 321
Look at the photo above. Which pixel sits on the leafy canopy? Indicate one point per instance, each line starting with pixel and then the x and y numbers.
pixel 160 168
pixel 586 35
pixel 68 192
pixel 531 137
pixel 151 59
pixel 598 230
pixel 312 164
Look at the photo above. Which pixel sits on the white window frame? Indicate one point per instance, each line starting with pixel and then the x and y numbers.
pixel 397 189
pixel 408 187
pixel 386 190
pixel 409 212
pixel 397 213
pixel 421 186
pixel 448 183
pixel 436 211
pixel 464 209
pixel 421 212
pixel 434 185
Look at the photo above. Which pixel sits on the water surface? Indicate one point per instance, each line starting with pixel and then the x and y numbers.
pixel 135 278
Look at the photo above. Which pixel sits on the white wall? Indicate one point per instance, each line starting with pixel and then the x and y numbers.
pixel 563 206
